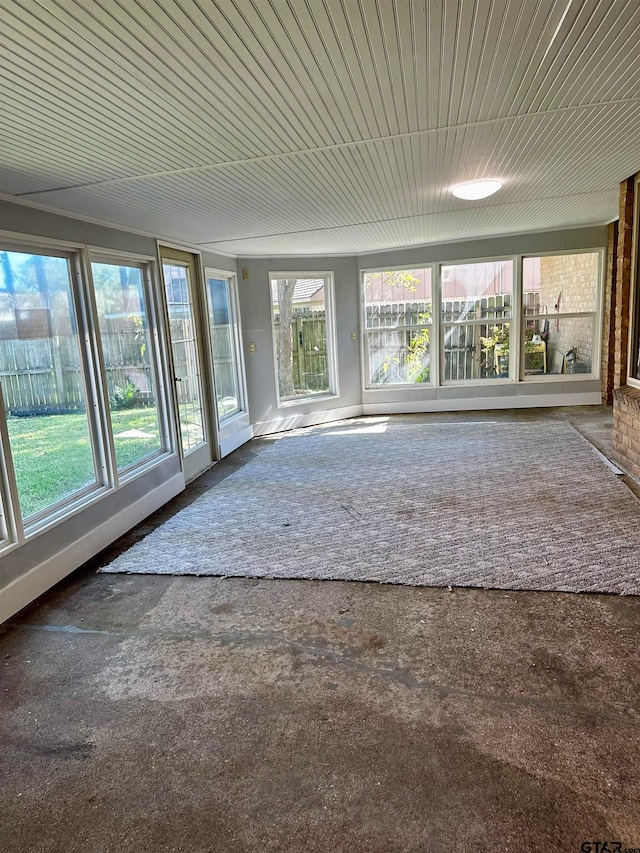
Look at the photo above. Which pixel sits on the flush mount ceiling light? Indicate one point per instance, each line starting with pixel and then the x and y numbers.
pixel 476 189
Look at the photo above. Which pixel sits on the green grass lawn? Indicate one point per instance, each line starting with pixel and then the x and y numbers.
pixel 52 453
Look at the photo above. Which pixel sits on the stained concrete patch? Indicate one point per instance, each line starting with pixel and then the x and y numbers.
pixel 265 716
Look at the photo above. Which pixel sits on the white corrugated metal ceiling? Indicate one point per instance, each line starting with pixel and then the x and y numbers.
pixel 320 126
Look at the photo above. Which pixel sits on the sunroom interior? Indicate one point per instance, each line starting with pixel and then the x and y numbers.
pixel 189 260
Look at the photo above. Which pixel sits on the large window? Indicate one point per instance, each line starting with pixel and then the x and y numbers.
pixel 43 369
pixel 398 307
pixel 128 357
pixel 302 312
pixel 560 313
pixel 475 313
pixel 223 326
pixel 472 334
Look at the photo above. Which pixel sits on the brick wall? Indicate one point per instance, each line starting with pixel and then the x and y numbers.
pixel 623 282
pixel 568 285
pixel 626 400
pixel 626 428
pixel 608 317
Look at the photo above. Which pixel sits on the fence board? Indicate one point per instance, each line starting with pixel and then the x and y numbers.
pixel 45 375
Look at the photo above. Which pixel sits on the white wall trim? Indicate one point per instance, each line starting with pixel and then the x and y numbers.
pixel 28 587
pixel 586 398
pixel 236 440
pixel 448 404
pixel 295 421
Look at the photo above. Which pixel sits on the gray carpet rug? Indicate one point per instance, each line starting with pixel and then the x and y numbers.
pixel 508 506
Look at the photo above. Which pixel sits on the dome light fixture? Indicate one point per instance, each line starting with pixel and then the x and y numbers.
pixel 476 189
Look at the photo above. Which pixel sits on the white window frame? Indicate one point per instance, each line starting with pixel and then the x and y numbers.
pixel 236 330
pixel 159 365
pixel 195 284
pixel 516 321
pixel 24 529
pixel 11 527
pixel 330 319
pixel 368 385
pixel 513 320
pixel 595 315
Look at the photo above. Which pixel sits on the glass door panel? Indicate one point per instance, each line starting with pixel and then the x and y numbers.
pixel 187 325
pixel 185 354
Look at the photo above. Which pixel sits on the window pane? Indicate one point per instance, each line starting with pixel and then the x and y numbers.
pixel 223 344
pixel 398 298
pixel 476 291
pixel 399 356
pixel 556 345
pixel 127 351
pixel 185 355
pixel 560 284
pixel 300 329
pixel 42 381
pixel 476 351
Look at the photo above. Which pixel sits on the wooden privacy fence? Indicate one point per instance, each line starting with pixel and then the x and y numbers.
pixel 309 349
pixel 464 357
pixel 388 347
pixel 44 375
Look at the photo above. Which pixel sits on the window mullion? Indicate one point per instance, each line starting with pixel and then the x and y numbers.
pixel 12 527
pixel 516 336
pixel 100 418
pixel 159 363
pixel 437 349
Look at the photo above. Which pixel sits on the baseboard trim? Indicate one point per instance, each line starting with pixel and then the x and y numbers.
pixel 228 445
pixel 591 398
pixel 40 578
pixel 307 419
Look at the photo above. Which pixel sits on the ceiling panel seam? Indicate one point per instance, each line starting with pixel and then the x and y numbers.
pixel 210 167
pixel 394 219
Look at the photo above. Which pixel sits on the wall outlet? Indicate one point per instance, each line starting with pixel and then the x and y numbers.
pixel 252 346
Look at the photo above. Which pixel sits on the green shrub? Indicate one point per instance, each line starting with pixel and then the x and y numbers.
pixel 125 396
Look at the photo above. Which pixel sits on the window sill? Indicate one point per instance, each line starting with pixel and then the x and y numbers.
pixel 230 418
pixel 559 377
pixel 305 401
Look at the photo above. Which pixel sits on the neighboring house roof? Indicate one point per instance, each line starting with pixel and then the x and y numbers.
pixel 304 290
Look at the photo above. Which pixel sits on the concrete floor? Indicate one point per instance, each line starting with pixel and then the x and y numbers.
pixel 145 713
